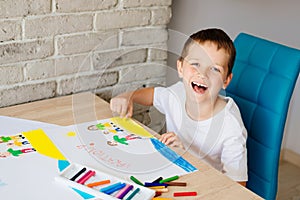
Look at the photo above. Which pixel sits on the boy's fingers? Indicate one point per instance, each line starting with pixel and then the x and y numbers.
pixel 122 112
pixel 129 112
pixel 166 138
pixel 170 140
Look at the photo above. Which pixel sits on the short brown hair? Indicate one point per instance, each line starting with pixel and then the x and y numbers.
pixel 217 36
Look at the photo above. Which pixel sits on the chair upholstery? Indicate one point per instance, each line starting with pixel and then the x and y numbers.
pixel 264 77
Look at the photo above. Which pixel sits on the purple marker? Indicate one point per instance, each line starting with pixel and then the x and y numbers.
pixel 124 191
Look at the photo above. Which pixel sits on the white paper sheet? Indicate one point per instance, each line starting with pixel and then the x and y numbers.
pixel 31 175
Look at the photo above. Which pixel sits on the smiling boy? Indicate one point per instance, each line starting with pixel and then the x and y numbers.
pixel 198 119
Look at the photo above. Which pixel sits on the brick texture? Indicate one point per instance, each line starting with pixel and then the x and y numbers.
pixel 21 8
pixel 68 6
pixel 144 36
pixel 89 42
pixel 25 93
pixel 10 30
pixel 122 19
pixel 50 48
pixel 57 25
pixel 22 51
pixel 11 74
pixel 138 3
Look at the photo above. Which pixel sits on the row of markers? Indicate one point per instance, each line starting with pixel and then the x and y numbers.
pixel 159 185
pixel 122 188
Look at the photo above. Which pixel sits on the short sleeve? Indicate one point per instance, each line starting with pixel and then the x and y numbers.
pixel 159 99
pixel 165 98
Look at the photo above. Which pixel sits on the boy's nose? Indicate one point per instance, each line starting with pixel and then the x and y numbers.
pixel 202 72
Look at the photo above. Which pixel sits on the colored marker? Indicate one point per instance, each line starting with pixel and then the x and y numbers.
pixel 157 194
pixel 118 187
pixel 94 184
pixel 133 193
pixel 184 194
pixel 86 176
pixel 78 174
pixel 124 191
pixel 157 180
pixel 169 179
pixel 110 187
pixel 175 183
pixel 157 187
pixel 162 190
pixel 136 180
pixel 155 184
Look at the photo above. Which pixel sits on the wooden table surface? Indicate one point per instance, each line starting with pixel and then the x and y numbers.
pixel 209 183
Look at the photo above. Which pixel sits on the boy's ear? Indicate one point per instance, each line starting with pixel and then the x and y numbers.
pixel 227 81
pixel 179 68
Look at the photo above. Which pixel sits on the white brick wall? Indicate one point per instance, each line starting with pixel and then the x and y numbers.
pixel 50 48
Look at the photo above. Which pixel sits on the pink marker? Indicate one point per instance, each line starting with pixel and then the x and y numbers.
pixel 124 191
pixel 86 176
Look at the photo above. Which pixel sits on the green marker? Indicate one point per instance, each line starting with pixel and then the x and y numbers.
pixel 169 179
pixel 136 181
pixel 133 194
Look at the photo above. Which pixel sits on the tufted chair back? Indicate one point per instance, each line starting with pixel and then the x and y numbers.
pixel 264 78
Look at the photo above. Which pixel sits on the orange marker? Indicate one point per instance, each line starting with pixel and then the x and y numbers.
pixel 94 184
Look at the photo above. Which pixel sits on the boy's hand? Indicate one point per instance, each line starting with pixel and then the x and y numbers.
pixel 171 139
pixel 122 104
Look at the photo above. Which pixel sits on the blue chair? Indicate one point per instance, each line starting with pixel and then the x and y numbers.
pixel 264 78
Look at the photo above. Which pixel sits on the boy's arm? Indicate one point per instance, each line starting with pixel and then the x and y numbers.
pixel 123 103
pixel 143 96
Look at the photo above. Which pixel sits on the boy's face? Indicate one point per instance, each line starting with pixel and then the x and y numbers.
pixel 204 71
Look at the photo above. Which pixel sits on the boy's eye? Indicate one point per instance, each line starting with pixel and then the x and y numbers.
pixel 215 69
pixel 195 64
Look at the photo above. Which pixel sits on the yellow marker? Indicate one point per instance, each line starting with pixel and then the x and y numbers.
pixel 157 187
pixel 42 144
pixel 131 126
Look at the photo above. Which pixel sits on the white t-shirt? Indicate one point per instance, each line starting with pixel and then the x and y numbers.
pixel 220 140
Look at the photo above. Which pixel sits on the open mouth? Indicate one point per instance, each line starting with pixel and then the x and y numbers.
pixel 198 87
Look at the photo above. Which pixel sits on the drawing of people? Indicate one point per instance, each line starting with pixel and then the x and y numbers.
pixel 5 154
pixel 132 137
pixel 112 143
pixel 92 128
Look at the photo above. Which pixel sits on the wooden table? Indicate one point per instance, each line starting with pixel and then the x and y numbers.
pixel 85 107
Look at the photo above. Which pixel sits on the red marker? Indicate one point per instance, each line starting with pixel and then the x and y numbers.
pixel 184 194
pixel 86 176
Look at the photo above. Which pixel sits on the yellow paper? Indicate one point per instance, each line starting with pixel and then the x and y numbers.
pixel 131 126
pixel 42 144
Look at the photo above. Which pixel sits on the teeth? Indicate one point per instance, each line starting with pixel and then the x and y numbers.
pixel 199 84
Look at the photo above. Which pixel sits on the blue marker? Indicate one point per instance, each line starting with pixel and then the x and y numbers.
pixel 109 187
pixel 155 184
pixel 116 188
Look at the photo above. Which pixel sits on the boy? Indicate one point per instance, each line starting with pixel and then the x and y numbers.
pixel 198 119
